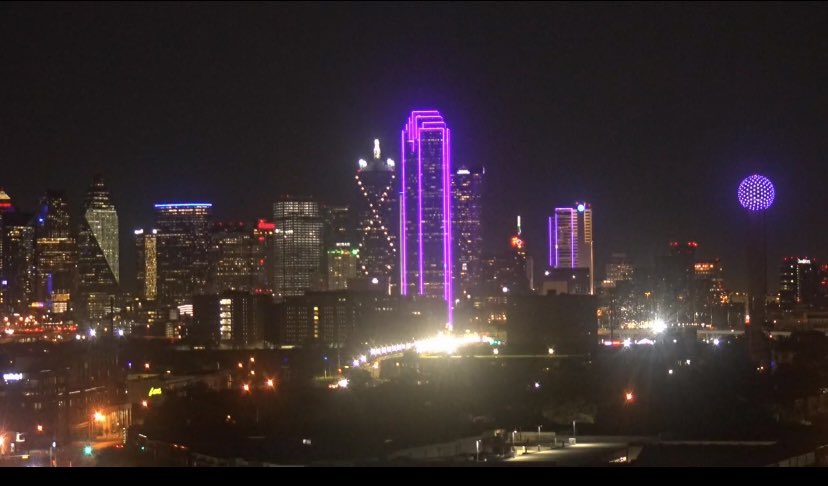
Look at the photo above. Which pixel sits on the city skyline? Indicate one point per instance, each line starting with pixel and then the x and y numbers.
pixel 562 146
pixel 413 234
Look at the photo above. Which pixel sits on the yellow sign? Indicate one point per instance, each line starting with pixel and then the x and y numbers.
pixel 154 391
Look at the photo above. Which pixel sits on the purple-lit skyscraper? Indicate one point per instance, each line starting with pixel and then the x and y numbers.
pixel 425 208
pixel 570 246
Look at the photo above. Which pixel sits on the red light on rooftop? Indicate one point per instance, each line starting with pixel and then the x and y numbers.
pixel 263 225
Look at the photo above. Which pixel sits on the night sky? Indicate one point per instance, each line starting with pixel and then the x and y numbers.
pixel 653 113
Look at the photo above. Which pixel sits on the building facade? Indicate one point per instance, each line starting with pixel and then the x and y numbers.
pixel 183 240
pixel 799 283
pixel 467 187
pixel 378 214
pixel 146 245
pixel 427 254
pixel 297 246
pixel 570 242
pixel 233 258
pixel 55 253
pixel 17 281
pixel 98 253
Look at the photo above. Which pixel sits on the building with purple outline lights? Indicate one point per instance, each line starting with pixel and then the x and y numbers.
pixel 425 208
pixel 570 247
pixel 182 244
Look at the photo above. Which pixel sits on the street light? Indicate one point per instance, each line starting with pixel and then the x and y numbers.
pixel 99 417
pixel 270 382
pixel 144 403
pixel 246 387
pixel 539 440
pixel 40 428
pixel 628 396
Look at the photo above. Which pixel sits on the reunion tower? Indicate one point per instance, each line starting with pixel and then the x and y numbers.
pixel 756 194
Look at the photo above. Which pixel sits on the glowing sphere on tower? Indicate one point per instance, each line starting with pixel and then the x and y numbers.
pixel 756 193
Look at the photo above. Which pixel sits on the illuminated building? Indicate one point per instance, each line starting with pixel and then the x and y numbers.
pixel 263 234
pixel 230 318
pixel 426 252
pixel 467 186
pixel 297 246
pixel 337 318
pixel 55 253
pixel 233 258
pixel 378 214
pixel 342 266
pixel 708 291
pixel 756 195
pixel 618 269
pixel 181 249
pixel 340 256
pixel 6 206
pixel 98 253
pixel 570 245
pixel 146 244
pixel 18 278
pixel 799 283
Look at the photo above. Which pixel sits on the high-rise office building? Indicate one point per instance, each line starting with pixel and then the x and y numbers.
pixel 619 268
pixel 98 253
pixel 18 276
pixel 378 214
pixel 146 244
pixel 55 253
pixel 340 256
pixel 6 206
pixel 426 248
pixel 342 267
pixel 232 255
pixel 297 246
pixel 231 318
pixel 263 234
pixel 466 188
pixel 570 244
pixel 799 283
pixel 182 244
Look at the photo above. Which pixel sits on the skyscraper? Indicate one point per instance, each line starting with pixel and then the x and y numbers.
pixel 570 244
pixel 297 246
pixel 799 282
pixel 98 252
pixel 18 278
pixel 6 206
pixel 232 255
pixel 340 256
pixel 263 234
pixel 55 253
pixel 146 244
pixel 425 206
pixel 378 214
pixel 618 269
pixel 466 188
pixel 182 244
